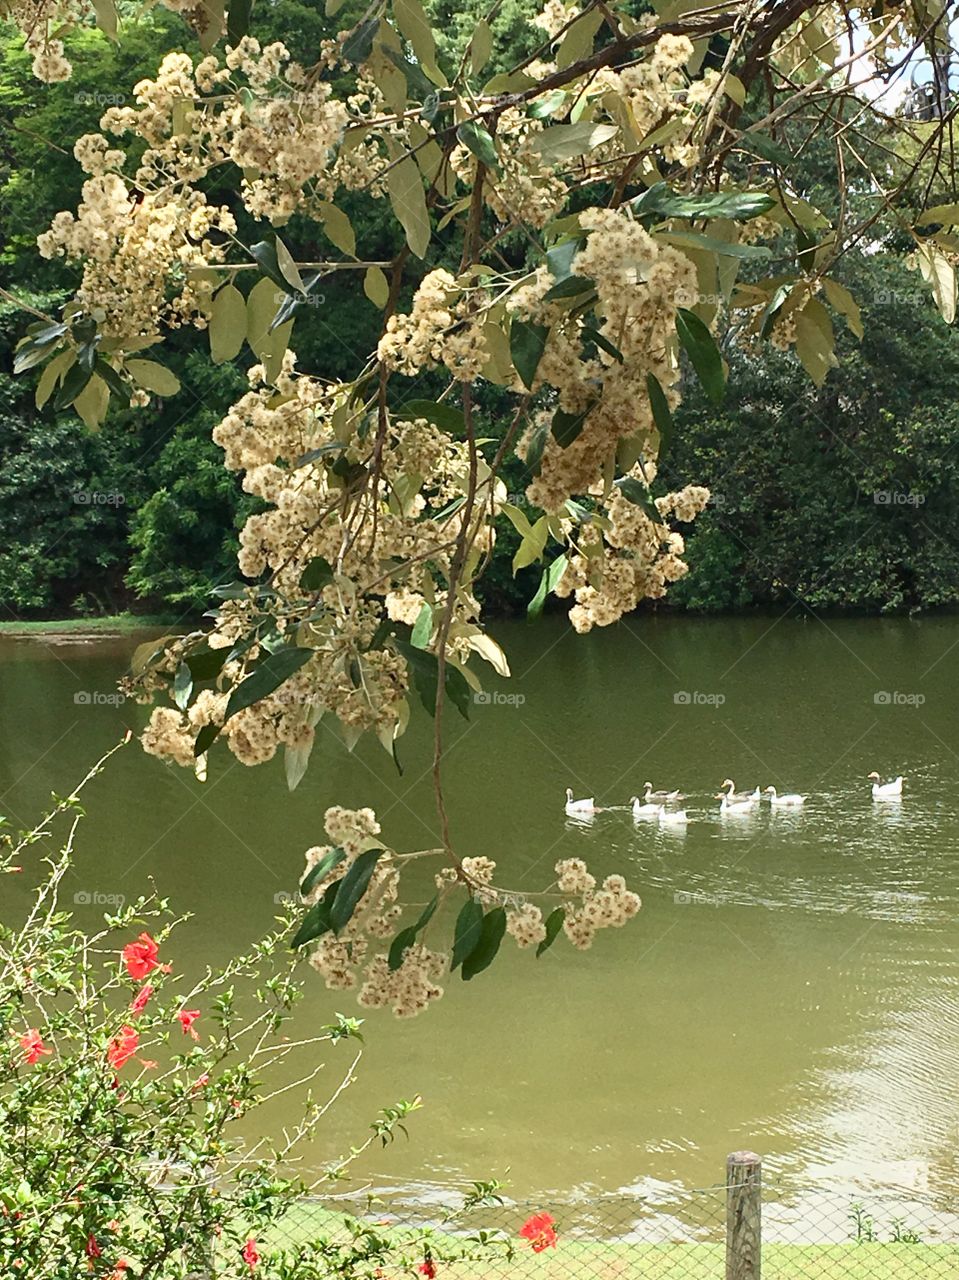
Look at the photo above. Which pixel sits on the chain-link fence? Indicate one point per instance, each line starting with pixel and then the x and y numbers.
pixel 740 1229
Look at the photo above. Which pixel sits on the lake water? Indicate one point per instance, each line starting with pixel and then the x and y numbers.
pixel 790 985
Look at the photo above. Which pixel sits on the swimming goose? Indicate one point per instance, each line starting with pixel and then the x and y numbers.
pixel 579 806
pixel 658 797
pixel 885 790
pixel 671 817
pixel 641 810
pixel 776 799
pixel 739 805
pixel 738 797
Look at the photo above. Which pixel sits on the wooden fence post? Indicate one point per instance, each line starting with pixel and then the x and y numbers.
pixel 743 1216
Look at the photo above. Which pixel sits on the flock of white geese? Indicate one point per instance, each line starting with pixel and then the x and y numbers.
pixel 664 806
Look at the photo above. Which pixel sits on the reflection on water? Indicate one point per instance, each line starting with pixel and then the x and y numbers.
pixel 790 985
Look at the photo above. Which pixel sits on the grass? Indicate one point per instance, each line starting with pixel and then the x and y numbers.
pixel 579 1259
pixel 68 626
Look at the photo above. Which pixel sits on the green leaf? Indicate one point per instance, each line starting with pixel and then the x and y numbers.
pixel 321 869
pixel 637 493
pixel 401 944
pixel 551 575
pixel 359 43
pixel 774 307
pixel 446 416
pixel 288 268
pixel 660 407
pixel 425 670
pixel 481 46
pixel 484 953
pixel 316 575
pixel 570 287
pixel 700 345
pixel 533 544
pixel 466 931
pixel 153 377
pixel 111 378
pixel 554 922
pixel 559 259
pixel 427 914
pixel 479 141
pixel 205 664
pixel 352 887
pixel 406 937
pixel 413 23
pixel 317 920
pixel 600 340
pixel 337 226
pixel 73 384
pixel 527 342
pixel 423 627
pixel 408 199
pixel 227 324
pixel 273 671
pixel 562 142
pixel 238 20
pixel 182 686
pixel 376 287
pixel 205 739
pixel 568 426
pixel 739 205
pixel 536 447
pixel 267 260
pixel 545 106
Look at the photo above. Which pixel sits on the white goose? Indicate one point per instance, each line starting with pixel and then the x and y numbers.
pixel 740 805
pixel 579 806
pixel 671 817
pixel 641 810
pixel 789 800
pixel 658 797
pixel 885 790
pixel 738 797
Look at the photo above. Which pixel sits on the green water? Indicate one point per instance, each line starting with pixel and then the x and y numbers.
pixel 790 985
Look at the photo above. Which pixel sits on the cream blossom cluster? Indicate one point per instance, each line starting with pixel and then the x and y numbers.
pixel 631 559
pixel 441 328
pixel 609 906
pixel 295 142
pixel 523 188
pixel 132 250
pixel 352 959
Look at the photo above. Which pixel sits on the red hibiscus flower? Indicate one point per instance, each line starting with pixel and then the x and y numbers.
pixel 186 1019
pixel 93 1250
pixel 33 1047
pixel 427 1268
pixel 249 1254
pixel 140 1003
pixel 122 1047
pixel 140 957
pixel 539 1231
